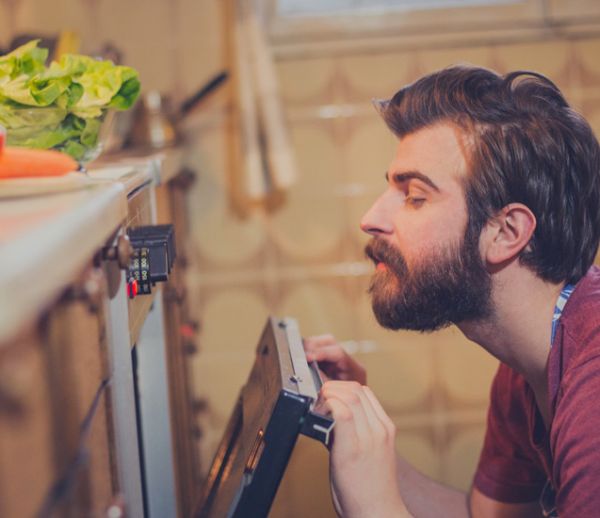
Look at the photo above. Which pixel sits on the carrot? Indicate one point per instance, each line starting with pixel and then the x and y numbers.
pixel 18 162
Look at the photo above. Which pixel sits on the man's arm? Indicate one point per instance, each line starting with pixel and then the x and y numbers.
pixel 426 498
pixel 416 493
pixel 368 480
pixel 484 506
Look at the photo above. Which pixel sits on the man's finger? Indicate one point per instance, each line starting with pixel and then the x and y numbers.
pixel 378 409
pixel 326 353
pixel 349 393
pixel 313 342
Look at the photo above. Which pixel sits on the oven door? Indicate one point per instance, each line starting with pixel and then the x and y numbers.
pixel 275 405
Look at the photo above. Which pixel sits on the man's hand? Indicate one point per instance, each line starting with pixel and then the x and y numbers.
pixel 363 459
pixel 333 360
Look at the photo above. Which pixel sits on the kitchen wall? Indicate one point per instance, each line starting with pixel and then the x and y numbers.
pixel 303 256
pixel 175 44
pixel 435 386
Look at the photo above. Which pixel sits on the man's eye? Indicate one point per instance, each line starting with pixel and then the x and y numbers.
pixel 415 201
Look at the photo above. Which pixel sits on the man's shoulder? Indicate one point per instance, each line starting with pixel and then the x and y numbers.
pixel 578 337
pixel 581 315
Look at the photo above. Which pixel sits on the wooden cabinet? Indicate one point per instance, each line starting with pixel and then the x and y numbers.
pixel 96 406
pixel 56 435
pixel 27 440
pixel 80 377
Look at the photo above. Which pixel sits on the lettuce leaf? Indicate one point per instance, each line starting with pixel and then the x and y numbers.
pixel 41 138
pixel 13 116
pixel 27 59
pixel 64 104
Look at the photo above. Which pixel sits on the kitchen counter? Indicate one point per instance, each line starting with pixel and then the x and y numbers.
pixel 62 341
pixel 46 237
pixel 162 164
pixel 45 241
pixel 130 176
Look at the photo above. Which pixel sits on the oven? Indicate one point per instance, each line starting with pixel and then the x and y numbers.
pixel 141 255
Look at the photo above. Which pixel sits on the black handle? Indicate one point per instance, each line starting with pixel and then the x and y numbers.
pixel 190 102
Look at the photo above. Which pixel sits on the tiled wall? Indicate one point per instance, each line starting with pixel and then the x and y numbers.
pixel 304 259
pixel 174 44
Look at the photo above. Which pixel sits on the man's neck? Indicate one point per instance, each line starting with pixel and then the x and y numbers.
pixel 519 331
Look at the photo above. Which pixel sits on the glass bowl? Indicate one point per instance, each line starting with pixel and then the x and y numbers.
pixel 54 128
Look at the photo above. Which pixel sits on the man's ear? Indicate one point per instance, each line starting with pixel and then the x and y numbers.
pixel 507 233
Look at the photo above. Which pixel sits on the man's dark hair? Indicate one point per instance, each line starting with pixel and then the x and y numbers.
pixel 526 145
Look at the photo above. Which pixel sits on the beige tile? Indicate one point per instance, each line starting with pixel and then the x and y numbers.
pixel 308 226
pixel 587 52
pixel 401 378
pixel 304 489
pixel 376 75
pixel 218 377
pixel 226 239
pixel 317 157
pixel 143 31
pixel 319 308
pixel 13 22
pixel 51 17
pixel 218 233
pixel 574 8
pixel 200 40
pixel 593 117
pixel 368 154
pixel 460 458
pixel 233 319
pixel 437 59
pixel 209 147
pixel 418 450
pixel 465 369
pixel 305 80
pixel 400 369
pixel 549 58
pixel 144 48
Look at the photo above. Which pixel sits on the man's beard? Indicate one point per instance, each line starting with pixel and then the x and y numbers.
pixel 448 286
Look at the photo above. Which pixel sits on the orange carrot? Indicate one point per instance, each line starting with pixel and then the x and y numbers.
pixel 18 162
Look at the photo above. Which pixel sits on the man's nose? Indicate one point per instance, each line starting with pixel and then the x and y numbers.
pixel 377 220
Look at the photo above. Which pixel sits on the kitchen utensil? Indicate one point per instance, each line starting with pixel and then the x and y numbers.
pixel 156 124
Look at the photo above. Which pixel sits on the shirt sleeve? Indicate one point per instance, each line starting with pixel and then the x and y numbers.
pixel 575 441
pixel 509 468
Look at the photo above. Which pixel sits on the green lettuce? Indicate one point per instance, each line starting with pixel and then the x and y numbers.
pixel 28 59
pixel 62 105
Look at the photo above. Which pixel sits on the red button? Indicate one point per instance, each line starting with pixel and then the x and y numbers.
pixel 132 288
pixel 187 331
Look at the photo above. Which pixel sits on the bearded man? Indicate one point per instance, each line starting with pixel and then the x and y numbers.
pixel 490 221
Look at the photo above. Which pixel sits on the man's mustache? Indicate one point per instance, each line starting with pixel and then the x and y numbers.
pixel 380 251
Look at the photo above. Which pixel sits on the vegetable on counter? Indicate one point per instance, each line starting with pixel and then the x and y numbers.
pixel 18 162
pixel 60 106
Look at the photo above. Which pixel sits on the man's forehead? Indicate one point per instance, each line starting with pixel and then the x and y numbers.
pixel 438 151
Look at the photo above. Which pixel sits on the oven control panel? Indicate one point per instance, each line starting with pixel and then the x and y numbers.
pixel 152 258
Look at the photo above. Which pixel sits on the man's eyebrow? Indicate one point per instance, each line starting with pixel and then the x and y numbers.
pixel 410 175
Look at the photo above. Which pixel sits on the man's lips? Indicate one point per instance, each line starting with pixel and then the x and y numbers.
pixel 381 267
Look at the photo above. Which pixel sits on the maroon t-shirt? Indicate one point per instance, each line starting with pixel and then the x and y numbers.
pixel 519 455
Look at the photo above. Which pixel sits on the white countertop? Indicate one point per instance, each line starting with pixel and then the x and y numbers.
pixel 45 240
pixel 130 176
pixel 50 228
pixel 162 164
